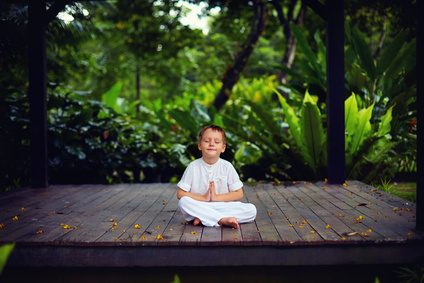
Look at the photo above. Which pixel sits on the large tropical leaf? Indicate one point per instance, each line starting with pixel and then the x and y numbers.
pixel 351 118
pixel 185 120
pixel 291 119
pixel 306 50
pixel 362 130
pixel 110 98
pixel 364 53
pixel 391 52
pixel 312 131
pixel 403 62
pixel 384 126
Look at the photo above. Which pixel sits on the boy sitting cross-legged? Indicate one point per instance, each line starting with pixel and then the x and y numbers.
pixel 210 187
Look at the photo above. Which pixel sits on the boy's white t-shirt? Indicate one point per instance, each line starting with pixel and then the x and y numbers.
pixel 198 174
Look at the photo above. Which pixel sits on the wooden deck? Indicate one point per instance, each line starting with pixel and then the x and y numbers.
pixel 139 225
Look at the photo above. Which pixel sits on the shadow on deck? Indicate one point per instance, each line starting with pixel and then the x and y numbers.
pixel 139 225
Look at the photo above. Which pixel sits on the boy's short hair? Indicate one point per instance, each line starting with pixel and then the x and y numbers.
pixel 214 128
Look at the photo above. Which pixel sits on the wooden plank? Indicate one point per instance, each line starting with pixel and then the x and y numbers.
pixel 250 234
pixel 329 214
pixel 373 218
pixel 155 208
pixel 211 236
pixel 174 230
pixel 230 236
pixel 266 228
pixel 293 218
pixel 41 213
pixel 151 223
pixel 353 216
pixel 280 219
pixel 337 218
pixel 192 235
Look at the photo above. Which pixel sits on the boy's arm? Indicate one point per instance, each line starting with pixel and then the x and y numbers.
pixel 181 193
pixel 231 196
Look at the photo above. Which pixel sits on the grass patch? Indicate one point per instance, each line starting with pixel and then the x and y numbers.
pixel 405 190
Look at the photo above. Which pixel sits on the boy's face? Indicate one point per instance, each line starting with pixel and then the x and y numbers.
pixel 211 144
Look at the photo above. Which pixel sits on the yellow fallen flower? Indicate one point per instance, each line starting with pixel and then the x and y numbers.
pixel 66 227
pixel 40 232
pixel 15 218
pixel 159 237
pixel 193 233
pixel 136 226
pixel 328 227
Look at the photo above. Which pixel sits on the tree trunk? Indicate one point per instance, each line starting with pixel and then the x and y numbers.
pixel 380 41
pixel 290 39
pixel 232 74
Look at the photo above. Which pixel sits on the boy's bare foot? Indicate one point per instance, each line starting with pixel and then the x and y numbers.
pixel 196 221
pixel 229 221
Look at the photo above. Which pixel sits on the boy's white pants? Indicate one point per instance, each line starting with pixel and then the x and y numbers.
pixel 210 213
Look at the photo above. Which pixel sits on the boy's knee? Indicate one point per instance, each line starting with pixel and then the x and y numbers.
pixel 184 200
pixel 253 209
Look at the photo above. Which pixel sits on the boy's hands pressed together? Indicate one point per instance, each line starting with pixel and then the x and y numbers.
pixel 212 191
pixel 208 194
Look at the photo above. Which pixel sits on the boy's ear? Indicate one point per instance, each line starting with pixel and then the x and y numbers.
pixel 198 145
pixel 223 148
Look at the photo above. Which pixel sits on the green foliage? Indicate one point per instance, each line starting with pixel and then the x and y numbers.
pixel 176 279
pixel 411 274
pixel 293 143
pixel 310 73
pixel 5 251
pixel 14 140
pixel 153 137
